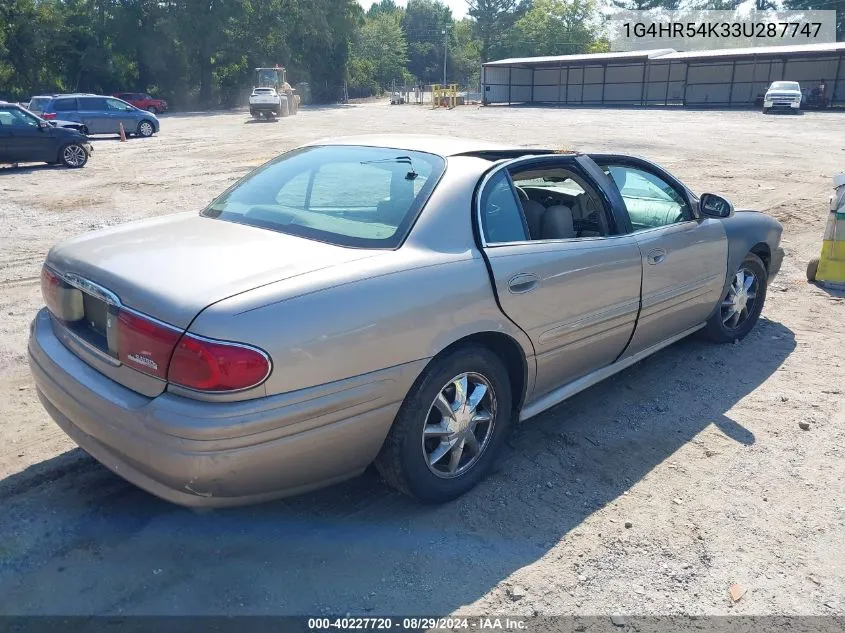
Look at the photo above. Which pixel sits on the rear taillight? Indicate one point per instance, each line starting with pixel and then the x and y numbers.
pixel 144 343
pixel 62 300
pixel 206 365
pixel 48 115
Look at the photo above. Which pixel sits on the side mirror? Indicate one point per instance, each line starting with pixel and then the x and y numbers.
pixel 712 206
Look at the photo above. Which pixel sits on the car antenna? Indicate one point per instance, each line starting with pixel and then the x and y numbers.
pixel 411 175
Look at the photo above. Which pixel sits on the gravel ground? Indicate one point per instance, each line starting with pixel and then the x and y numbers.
pixel 651 493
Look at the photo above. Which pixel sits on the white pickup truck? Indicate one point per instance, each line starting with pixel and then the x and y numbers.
pixel 268 103
pixel 783 94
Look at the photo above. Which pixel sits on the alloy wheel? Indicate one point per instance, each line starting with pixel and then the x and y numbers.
pixel 146 128
pixel 459 425
pixel 741 299
pixel 74 155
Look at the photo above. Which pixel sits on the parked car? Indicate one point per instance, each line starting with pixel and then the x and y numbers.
pixel 143 101
pixel 25 138
pixel 36 104
pixel 396 299
pixel 102 115
pixel 783 94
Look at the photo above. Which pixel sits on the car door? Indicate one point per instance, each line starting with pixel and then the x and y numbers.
pixel 25 140
pixel 684 258
pixel 121 112
pixel 5 135
pixel 575 297
pixel 95 115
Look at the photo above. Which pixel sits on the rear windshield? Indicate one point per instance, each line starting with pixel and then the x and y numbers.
pixel 785 85
pixel 363 197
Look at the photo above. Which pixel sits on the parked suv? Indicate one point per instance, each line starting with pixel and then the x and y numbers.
pixel 783 94
pixel 102 115
pixel 143 101
pixel 25 138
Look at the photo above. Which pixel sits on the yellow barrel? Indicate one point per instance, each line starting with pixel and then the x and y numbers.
pixel 831 263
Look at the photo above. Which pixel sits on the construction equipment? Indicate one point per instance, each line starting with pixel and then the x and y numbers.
pixel 828 270
pixel 272 95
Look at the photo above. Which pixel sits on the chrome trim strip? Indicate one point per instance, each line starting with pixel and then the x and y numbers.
pixel 567 391
pixel 95 290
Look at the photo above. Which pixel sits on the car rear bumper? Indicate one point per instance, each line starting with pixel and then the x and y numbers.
pixel 199 453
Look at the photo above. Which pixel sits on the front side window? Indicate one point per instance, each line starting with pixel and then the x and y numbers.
pixel 364 197
pixel 117 106
pixel 651 201
pixel 14 117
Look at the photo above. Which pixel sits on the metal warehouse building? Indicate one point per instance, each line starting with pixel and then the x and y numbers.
pixel 727 77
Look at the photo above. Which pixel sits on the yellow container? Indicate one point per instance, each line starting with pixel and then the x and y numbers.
pixel 829 268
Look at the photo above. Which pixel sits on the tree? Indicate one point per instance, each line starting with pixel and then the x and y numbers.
pixel 493 19
pixel 646 5
pixel 424 22
pixel 379 52
pixel 556 27
pixel 809 5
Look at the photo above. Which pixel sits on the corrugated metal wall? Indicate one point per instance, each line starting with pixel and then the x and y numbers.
pixel 661 81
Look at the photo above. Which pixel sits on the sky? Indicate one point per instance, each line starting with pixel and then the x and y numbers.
pixel 459 7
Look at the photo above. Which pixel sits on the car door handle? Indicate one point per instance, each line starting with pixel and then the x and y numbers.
pixel 523 282
pixel 656 256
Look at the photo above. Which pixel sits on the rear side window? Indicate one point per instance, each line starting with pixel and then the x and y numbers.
pixel 64 105
pixel 501 217
pixel 92 103
pixel 365 197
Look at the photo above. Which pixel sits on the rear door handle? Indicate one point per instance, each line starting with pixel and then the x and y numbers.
pixel 523 282
pixel 656 256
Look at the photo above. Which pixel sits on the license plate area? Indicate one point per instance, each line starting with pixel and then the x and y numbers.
pixel 96 328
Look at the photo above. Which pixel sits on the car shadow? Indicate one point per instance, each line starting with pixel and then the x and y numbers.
pixel 262 120
pixel 360 547
pixel 29 168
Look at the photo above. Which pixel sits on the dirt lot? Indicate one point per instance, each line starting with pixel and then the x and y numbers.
pixel 698 447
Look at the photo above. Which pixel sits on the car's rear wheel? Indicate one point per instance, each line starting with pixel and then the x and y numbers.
pixel 741 306
pixel 450 427
pixel 146 129
pixel 73 155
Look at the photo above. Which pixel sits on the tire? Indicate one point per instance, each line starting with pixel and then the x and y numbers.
pixel 73 155
pixel 404 459
pixel 766 110
pixel 152 110
pixel 146 129
pixel 812 269
pixel 724 326
pixel 284 108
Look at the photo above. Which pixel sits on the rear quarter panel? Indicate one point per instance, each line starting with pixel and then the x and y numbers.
pixel 374 314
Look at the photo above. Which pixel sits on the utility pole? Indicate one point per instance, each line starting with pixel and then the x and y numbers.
pixel 445 51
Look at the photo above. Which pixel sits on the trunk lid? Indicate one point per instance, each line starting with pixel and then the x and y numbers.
pixel 169 269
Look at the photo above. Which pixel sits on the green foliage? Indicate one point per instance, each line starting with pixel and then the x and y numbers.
pixel 202 53
pixel 555 27
pixel 194 52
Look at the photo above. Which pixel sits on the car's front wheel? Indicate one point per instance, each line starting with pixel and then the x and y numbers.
pixel 450 427
pixel 741 307
pixel 146 129
pixel 152 109
pixel 73 155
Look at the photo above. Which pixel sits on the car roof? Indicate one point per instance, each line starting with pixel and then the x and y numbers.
pixel 430 143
